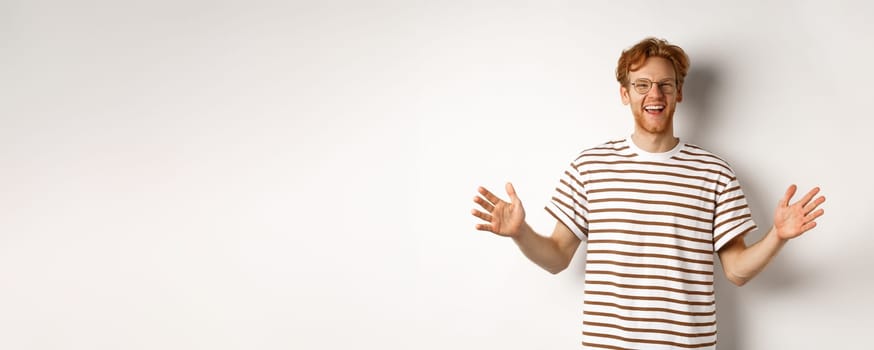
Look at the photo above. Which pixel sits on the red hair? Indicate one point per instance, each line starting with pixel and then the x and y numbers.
pixel 632 58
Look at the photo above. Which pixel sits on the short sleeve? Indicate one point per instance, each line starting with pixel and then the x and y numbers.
pixel 732 216
pixel 569 205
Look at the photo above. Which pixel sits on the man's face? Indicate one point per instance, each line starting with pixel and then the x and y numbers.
pixel 654 110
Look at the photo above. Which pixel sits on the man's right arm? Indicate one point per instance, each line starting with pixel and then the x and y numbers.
pixel 507 219
pixel 552 253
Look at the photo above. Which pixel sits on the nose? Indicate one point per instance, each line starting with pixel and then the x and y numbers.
pixel 655 90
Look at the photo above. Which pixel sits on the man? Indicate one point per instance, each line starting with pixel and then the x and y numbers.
pixel 653 210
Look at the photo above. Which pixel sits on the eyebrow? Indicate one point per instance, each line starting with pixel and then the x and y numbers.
pixel 657 80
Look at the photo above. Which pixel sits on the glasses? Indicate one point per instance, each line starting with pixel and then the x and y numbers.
pixel 643 85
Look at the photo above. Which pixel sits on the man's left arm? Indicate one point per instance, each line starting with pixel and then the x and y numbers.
pixel 742 263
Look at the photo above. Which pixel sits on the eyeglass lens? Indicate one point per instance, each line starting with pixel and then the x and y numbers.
pixel 644 85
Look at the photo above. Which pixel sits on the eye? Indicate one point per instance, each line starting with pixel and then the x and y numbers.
pixel 667 86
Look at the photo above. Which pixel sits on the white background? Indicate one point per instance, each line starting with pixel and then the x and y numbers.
pixel 274 175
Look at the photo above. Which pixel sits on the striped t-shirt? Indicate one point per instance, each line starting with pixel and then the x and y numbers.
pixel 652 222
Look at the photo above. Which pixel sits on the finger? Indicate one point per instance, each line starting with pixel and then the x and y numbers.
pixel 808 226
pixel 512 193
pixel 486 205
pixel 481 215
pixel 788 196
pixel 814 216
pixel 813 205
pixel 807 197
pixel 489 195
pixel 484 227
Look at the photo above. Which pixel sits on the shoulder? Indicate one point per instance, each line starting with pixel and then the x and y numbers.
pixel 702 157
pixel 611 149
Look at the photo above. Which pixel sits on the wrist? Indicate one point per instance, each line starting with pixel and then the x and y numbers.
pixel 776 236
pixel 523 231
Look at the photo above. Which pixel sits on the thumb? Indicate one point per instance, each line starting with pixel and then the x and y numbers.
pixel 512 192
pixel 790 192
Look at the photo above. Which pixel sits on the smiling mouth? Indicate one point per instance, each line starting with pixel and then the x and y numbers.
pixel 654 109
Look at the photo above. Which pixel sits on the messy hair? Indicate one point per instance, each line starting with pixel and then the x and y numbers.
pixel 634 57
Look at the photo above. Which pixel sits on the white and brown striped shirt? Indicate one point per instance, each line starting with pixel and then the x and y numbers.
pixel 652 222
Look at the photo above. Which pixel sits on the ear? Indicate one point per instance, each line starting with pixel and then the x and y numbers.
pixel 680 94
pixel 623 93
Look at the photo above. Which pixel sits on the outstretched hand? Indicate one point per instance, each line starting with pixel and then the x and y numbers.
pixel 501 217
pixel 791 221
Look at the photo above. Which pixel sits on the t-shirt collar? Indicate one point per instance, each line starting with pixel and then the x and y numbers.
pixel 641 154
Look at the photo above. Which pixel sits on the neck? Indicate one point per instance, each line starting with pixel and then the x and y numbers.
pixel 654 143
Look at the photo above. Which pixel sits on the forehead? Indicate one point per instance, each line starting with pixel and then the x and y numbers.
pixel 654 68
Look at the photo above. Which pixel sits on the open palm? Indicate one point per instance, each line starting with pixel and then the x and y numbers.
pixel 793 220
pixel 501 217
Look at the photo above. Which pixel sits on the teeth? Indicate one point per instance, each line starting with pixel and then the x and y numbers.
pixel 653 107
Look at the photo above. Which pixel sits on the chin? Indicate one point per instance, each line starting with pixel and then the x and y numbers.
pixel 654 128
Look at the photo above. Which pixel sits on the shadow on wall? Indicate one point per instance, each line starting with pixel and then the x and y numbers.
pixel 700 91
